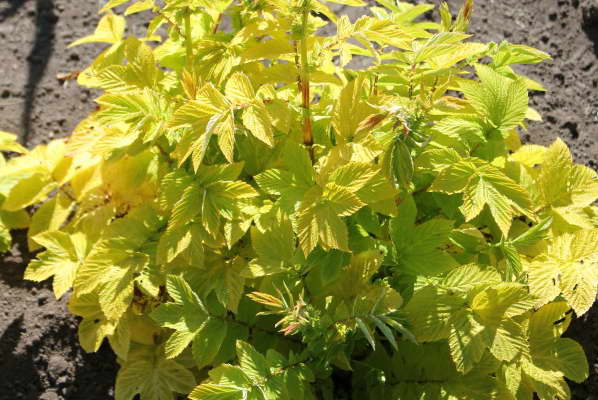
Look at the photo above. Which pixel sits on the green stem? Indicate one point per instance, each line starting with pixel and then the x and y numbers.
pixel 188 39
pixel 308 139
pixel 164 154
pixel 217 24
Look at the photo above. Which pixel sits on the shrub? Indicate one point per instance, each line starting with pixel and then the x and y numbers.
pixel 244 217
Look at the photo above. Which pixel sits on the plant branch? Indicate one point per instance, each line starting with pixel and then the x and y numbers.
pixel 164 154
pixel 171 22
pixel 217 24
pixel 308 139
pixel 67 194
pixel 297 64
pixel 188 38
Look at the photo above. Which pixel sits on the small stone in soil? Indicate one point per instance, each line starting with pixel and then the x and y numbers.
pixel 49 395
pixel 57 365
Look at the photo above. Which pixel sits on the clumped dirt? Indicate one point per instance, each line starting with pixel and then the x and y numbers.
pixel 39 354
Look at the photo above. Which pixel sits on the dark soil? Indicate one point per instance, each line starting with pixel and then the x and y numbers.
pixel 39 354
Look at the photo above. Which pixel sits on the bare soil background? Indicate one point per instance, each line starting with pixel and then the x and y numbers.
pixel 39 354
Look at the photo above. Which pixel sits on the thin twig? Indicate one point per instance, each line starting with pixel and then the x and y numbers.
pixel 217 25
pixel 175 26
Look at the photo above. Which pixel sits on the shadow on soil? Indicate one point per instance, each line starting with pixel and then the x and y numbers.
pixel 13 265
pixel 29 372
pixel 39 56
pixel 590 25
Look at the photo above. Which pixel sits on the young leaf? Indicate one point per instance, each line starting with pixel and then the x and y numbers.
pixel 366 332
pixel 501 100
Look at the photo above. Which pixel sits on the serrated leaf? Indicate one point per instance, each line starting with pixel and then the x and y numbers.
pixel 239 89
pixel 569 268
pixel 466 341
pixel 28 191
pixel 49 217
pixel 63 256
pixel 186 315
pixel 207 343
pixel 429 312
pixel 350 109
pixel 319 223
pixel 111 4
pixel 210 195
pixel 254 364
pixel 578 256
pixel 508 341
pixel 111 267
pixel 342 201
pixel 439 44
pixel 353 176
pixel 275 181
pixel 209 113
pixel 567 356
pixel 209 102
pixel 257 119
pixel 501 100
pixel 353 3
pixel 547 384
pixel 152 377
pixel 483 184
pixel 417 247
pixel 210 391
pixel 274 240
pixel 110 29
pixel 139 6
pixel 466 277
pixel 8 142
pixel 543 280
pixel 173 243
pixel 534 234
pixel 94 327
pixel 561 183
pixel 225 278
pixel 402 164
